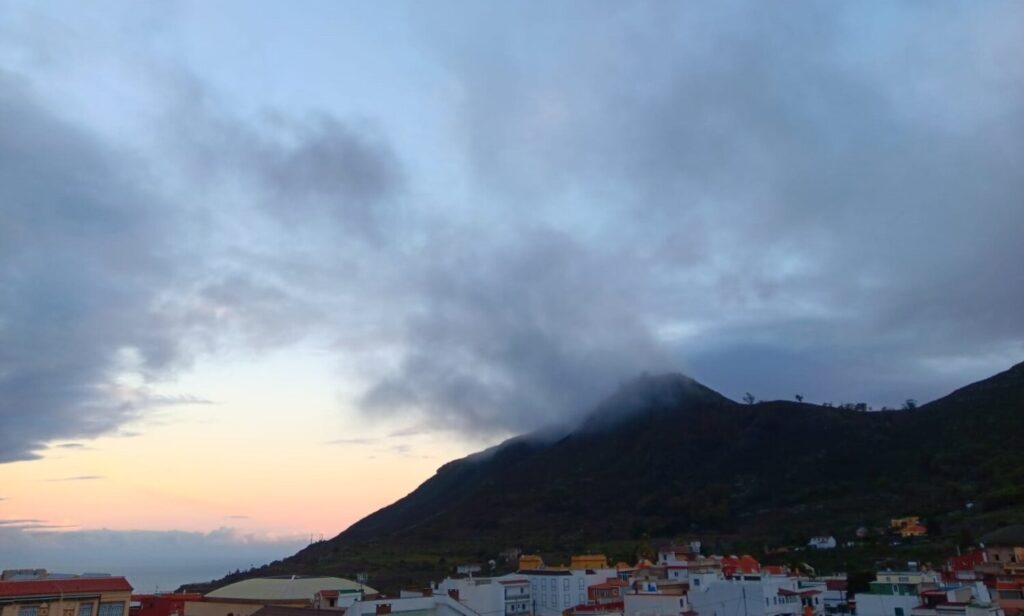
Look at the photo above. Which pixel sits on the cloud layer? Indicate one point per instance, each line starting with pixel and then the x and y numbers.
pixel 184 556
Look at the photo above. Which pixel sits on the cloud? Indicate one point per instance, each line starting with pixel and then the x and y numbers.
pixel 814 198
pixel 356 440
pixel 516 335
pixel 237 517
pixel 802 198
pixel 184 556
pixel 99 299
pixel 78 478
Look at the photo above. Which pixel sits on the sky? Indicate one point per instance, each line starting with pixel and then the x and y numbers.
pixel 264 267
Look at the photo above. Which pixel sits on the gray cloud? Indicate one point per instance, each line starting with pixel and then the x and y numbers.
pixel 511 336
pixel 185 556
pixel 94 281
pixel 81 263
pixel 78 478
pixel 816 197
pixel 71 446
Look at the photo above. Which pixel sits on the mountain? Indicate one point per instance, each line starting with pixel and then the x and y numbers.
pixel 666 456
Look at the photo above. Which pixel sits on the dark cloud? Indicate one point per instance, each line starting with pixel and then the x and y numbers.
pixel 511 336
pixel 81 265
pixel 105 271
pixel 308 170
pixel 806 197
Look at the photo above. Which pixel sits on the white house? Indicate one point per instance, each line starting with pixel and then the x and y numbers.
pixel 556 590
pixel 752 595
pixel 507 595
pixel 822 543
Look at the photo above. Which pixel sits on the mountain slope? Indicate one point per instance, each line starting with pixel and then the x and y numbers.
pixel 666 455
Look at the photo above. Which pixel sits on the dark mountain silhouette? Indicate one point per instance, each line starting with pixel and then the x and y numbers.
pixel 666 456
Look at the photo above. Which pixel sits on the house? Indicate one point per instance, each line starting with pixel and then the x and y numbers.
pixel 963 600
pixel 753 595
pixel 822 543
pixel 506 595
pixel 895 593
pixel 39 593
pixel 609 591
pixel 555 590
pixel 909 526
pixel 1005 545
pixel 589 561
pixel 162 604
pixel 468 569
pixel 531 562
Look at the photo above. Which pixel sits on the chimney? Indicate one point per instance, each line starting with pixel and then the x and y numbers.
pixel 453 593
pixel 383 608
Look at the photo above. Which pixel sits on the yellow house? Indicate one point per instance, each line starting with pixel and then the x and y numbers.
pixel 589 561
pixel 909 526
pixel 41 595
pixel 530 562
pixel 910 520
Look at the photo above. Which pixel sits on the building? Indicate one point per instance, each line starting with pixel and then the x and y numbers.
pixel 656 604
pixel 895 593
pixel 964 600
pixel 246 597
pixel 755 594
pixel 531 562
pixel 38 593
pixel 555 590
pixel 162 604
pixel 589 561
pixel 507 595
pixel 468 569
pixel 822 543
pixel 410 604
pixel 609 591
pixel 1004 546
pixel 909 526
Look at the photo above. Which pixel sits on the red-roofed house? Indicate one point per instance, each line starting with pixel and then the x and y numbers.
pixel 609 591
pixel 65 596
pixel 165 604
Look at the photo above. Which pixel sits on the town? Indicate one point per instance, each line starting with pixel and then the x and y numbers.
pixel 682 580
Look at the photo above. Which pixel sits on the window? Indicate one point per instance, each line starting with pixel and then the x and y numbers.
pixel 554 599
pixel 85 609
pixel 113 608
pixel 566 597
pixel 899 611
pixel 565 585
pixel 28 610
